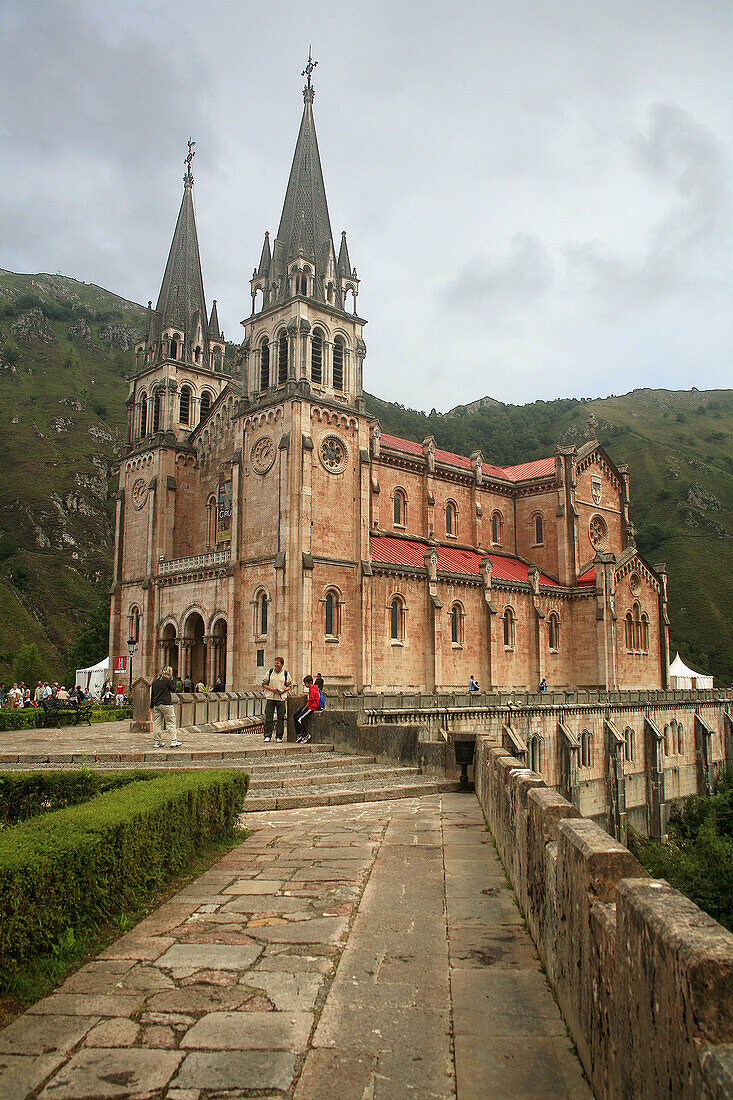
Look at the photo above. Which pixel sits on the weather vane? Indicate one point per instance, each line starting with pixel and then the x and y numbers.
pixel 309 67
pixel 190 156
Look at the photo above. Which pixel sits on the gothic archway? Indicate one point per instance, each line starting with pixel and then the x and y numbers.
pixel 219 650
pixel 197 647
pixel 169 646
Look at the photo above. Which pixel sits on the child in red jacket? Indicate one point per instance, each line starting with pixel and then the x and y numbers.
pixel 313 702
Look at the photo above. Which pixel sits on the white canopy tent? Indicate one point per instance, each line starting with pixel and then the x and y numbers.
pixel 92 678
pixel 684 678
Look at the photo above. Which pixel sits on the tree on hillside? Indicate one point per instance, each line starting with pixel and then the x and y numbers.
pixel 29 666
pixel 91 643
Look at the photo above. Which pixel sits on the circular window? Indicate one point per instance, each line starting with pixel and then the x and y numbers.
pixel 139 493
pixel 598 532
pixel 635 584
pixel 262 454
pixel 332 453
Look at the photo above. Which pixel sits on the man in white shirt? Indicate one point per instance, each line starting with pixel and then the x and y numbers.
pixel 15 695
pixel 276 686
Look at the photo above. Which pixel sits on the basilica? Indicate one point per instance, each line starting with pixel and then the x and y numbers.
pixel 261 510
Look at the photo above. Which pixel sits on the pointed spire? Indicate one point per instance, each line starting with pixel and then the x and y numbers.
pixel 265 258
pixel 344 264
pixel 182 290
pixel 214 333
pixel 305 222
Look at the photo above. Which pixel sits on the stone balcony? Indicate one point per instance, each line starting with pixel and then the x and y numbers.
pixel 196 563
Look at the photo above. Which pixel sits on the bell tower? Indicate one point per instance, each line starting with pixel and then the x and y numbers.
pixel 304 333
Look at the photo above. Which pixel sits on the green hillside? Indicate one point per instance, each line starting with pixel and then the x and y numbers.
pixel 64 356
pixel 679 448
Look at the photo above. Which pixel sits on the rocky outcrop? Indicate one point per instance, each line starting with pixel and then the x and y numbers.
pixel 79 330
pixel 119 336
pixel 33 325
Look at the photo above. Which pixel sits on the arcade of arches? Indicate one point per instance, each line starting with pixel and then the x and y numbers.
pixel 195 654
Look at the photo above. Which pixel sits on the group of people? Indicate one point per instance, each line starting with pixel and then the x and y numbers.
pixel 277 685
pixel 20 696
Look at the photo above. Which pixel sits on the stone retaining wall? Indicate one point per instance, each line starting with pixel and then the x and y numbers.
pixel 644 978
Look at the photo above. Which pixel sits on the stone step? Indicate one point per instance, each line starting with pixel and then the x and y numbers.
pixel 319 778
pixel 335 794
pixel 243 756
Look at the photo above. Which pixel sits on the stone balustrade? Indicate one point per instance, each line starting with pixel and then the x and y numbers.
pixel 211 560
pixel 644 978
pixel 228 711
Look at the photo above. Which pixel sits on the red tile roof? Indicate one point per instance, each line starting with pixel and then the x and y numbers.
pixel 589 577
pixel 451 559
pixel 525 470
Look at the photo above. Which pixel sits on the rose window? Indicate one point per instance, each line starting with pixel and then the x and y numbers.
pixel 333 454
pixel 598 532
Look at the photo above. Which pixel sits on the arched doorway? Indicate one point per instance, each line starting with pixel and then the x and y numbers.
pixel 197 647
pixel 220 651
pixel 169 645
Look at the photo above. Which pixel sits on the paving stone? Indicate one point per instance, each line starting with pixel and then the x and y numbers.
pixel 45 1035
pixel 287 992
pixel 503 1003
pixel 362 1027
pixel 217 956
pixel 336 1074
pixel 294 964
pixel 133 946
pixel 101 1074
pixel 320 930
pixel 159 1037
pixel 544 1069
pixel 97 977
pixel 21 1074
pixel 81 1004
pixel 250 1031
pixel 113 1033
pixel 248 1069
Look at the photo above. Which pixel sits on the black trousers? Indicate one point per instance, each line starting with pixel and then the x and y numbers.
pixel 272 705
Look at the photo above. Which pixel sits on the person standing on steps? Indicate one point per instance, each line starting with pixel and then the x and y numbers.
pixel 276 686
pixel 162 711
pixel 313 702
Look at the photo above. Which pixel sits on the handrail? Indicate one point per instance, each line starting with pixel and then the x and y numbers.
pixel 197 561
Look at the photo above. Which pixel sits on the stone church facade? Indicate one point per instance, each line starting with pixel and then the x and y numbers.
pixel 262 511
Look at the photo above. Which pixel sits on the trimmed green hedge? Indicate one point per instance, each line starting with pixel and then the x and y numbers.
pixel 26 794
pixel 31 718
pixel 83 864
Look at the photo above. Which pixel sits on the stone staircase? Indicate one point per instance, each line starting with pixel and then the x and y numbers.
pixel 282 776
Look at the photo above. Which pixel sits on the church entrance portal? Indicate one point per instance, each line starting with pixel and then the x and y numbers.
pixel 197 648
pixel 170 648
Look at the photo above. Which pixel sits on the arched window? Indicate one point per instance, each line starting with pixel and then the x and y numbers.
pixel 217 359
pixel 680 739
pixel 456 624
pixel 174 346
pixel 399 502
pixel 629 630
pixel 282 359
pixel 645 632
pixel 333 614
pixel 205 403
pixel 451 519
pixel 538 535
pixel 185 405
pixel 157 401
pixel 554 631
pixel 637 627
pixel 264 363
pixel 197 354
pixel 586 749
pixel 630 746
pixel 397 619
pixel 509 628
pixel 301 283
pixel 666 740
pixel 536 754
pixel 133 623
pixel 143 415
pixel 261 603
pixel 497 528
pixel 338 363
pixel 317 356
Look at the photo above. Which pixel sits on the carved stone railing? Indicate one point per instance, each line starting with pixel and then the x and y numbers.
pixel 210 560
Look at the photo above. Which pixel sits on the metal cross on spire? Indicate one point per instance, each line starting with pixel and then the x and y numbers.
pixel 189 158
pixel 308 90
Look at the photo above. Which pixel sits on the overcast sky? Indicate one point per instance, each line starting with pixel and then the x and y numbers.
pixel 537 195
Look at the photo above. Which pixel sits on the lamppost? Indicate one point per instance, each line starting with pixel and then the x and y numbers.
pixel 131 647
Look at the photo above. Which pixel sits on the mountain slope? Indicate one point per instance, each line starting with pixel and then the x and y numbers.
pixel 64 356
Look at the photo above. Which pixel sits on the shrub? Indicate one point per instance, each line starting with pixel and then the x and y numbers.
pixel 81 865
pixel 26 794
pixel 31 718
pixel 29 666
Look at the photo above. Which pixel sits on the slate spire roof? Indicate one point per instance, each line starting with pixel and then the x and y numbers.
pixel 182 290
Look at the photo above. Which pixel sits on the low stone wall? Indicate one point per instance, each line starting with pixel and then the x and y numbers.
pixel 403 744
pixel 644 978
pixel 237 710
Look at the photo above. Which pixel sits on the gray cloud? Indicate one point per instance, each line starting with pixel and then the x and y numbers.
pixel 512 282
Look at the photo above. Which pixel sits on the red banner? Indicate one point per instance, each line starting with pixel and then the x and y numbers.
pixel 120 664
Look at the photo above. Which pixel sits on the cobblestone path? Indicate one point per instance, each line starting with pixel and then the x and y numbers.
pixel 371 952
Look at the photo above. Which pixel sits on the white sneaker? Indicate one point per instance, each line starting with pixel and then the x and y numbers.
pixel 158 745
pixel 176 744
pixel 267 739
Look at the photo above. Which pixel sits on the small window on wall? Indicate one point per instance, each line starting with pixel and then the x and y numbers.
pixel 509 628
pixel 264 364
pixel 456 624
pixel 497 533
pixel 586 749
pixel 451 519
pixel 397 620
pixel 400 508
pixel 157 400
pixel 144 415
pixel 554 631
pixel 536 754
pixel 261 614
pixel 133 623
pixel 538 533
pixel 338 363
pixel 184 412
pixel 666 741
pixel 680 739
pixel 332 614
pixel 630 745
pixel 317 357
pixel 260 658
pixel 282 359
pixel 205 403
